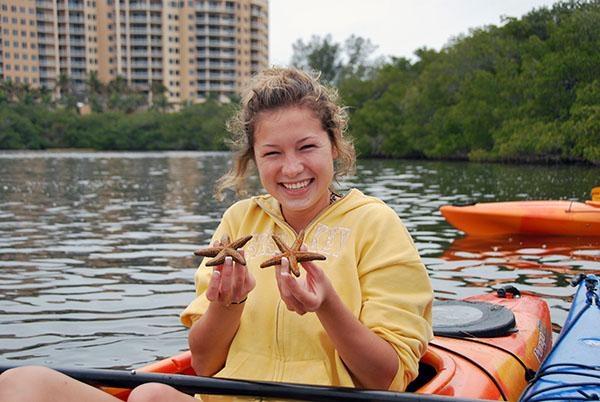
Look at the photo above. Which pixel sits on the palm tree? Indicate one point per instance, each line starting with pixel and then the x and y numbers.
pixel 96 92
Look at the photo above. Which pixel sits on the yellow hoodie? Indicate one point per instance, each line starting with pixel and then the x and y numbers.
pixel 372 264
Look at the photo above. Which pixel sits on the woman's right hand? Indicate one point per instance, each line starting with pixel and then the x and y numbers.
pixel 230 283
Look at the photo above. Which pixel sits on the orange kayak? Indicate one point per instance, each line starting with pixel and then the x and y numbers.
pixel 514 337
pixel 566 218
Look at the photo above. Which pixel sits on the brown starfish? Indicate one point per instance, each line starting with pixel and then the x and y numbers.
pixel 224 249
pixel 293 254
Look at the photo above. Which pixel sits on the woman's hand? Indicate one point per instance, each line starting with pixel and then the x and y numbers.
pixel 304 294
pixel 230 283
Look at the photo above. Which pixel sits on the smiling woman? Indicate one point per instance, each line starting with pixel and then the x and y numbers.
pixel 360 317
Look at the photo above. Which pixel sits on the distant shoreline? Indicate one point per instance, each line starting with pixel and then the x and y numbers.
pixel 121 152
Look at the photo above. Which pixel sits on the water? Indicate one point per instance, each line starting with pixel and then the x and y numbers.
pixel 96 248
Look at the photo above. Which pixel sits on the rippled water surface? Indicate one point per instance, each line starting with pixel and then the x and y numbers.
pixel 96 248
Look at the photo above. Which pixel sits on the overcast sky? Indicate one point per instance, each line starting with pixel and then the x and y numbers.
pixel 397 27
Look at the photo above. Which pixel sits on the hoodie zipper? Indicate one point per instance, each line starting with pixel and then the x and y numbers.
pixel 279 327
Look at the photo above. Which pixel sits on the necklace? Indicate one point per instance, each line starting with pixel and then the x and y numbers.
pixel 333 197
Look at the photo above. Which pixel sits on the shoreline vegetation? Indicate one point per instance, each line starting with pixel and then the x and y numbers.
pixel 527 91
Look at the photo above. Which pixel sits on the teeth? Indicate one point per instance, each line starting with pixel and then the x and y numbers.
pixel 296 186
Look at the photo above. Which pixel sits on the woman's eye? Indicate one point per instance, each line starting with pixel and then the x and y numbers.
pixel 307 146
pixel 271 153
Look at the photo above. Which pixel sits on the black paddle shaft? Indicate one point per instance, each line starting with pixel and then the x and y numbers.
pixel 217 386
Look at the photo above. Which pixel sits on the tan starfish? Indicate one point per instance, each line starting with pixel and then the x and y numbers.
pixel 224 249
pixel 293 254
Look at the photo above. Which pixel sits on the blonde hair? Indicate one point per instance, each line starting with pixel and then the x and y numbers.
pixel 277 88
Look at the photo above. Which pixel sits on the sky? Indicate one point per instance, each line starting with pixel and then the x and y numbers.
pixel 397 27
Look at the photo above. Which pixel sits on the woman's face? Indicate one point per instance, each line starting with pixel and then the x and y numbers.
pixel 294 157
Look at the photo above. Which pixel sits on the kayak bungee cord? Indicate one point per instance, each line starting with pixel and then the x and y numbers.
pixel 479 366
pixel 592 297
pixel 592 397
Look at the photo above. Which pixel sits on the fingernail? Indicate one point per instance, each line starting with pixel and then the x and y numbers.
pixel 228 260
pixel 216 273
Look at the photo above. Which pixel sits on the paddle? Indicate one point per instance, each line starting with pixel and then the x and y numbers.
pixel 216 386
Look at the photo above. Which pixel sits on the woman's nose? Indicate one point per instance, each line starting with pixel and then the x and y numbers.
pixel 292 166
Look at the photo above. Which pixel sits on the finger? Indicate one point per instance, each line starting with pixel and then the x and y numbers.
pixel 212 291
pixel 239 279
pixel 291 302
pixel 312 269
pixel 226 281
pixel 281 271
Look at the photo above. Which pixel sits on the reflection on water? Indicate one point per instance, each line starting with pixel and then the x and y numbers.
pixel 96 248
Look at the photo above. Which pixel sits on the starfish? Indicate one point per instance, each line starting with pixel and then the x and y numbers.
pixel 224 249
pixel 293 254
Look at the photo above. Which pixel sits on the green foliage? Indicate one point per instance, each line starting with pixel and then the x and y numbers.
pixel 525 91
pixel 336 62
pixel 528 90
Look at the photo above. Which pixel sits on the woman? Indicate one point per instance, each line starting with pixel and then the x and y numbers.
pixel 362 317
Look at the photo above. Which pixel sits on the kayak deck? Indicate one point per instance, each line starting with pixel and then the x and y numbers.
pixel 568 218
pixel 572 369
pixel 478 368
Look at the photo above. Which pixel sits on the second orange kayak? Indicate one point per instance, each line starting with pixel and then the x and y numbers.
pixel 566 218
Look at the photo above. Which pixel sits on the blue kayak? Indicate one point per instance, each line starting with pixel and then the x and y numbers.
pixel 571 371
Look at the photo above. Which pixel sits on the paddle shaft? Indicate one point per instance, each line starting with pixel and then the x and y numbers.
pixel 216 386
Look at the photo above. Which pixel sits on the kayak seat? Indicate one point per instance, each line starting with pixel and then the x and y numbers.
pixel 436 372
pixel 466 319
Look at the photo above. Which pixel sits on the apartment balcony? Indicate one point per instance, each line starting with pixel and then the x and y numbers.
pixel 44 50
pixel 139 42
pixel 47 63
pixel 44 4
pixel 47 40
pixel 138 19
pixel 214 20
pixel 138 6
pixel 45 17
pixel 49 29
pixel 71 19
pixel 140 75
pixel 217 87
pixel 77 42
pixel 219 65
pixel 202 30
pixel 78 64
pixel 258 13
pixel 78 77
pixel 221 43
pixel 222 77
pixel 221 8
pixel 47 74
pixel 137 31
pixel 71 6
pixel 259 26
pixel 202 55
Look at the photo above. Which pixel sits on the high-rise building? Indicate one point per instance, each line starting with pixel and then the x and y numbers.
pixel 195 48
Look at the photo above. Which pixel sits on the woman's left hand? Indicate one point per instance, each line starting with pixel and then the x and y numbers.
pixel 304 294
